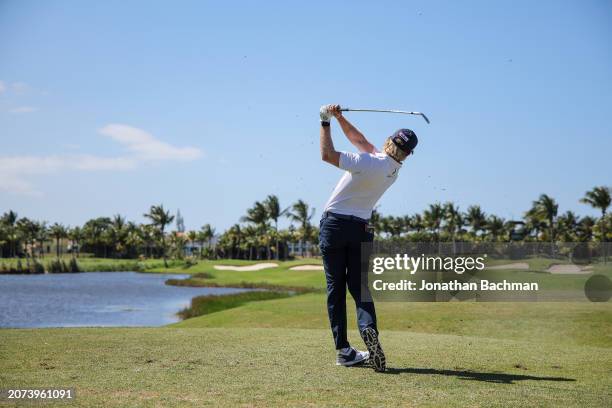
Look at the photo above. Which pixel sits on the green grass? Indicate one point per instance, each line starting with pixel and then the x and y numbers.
pixel 279 276
pixel 204 305
pixel 279 352
pixel 89 264
pixel 294 367
pixel 583 323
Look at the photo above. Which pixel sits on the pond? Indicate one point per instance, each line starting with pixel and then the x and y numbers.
pixel 95 299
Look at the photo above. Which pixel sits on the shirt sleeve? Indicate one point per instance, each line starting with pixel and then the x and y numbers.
pixel 354 162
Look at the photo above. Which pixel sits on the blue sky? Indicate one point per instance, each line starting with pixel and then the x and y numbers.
pixel 110 107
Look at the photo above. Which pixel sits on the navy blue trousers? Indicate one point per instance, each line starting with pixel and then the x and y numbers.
pixel 340 241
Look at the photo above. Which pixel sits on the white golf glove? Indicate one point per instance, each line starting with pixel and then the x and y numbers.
pixel 325 113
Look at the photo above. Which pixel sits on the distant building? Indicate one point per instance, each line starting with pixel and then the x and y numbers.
pixel 194 248
pixel 180 222
pixel 302 248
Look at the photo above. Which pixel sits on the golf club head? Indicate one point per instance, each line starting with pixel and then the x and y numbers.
pixel 425 117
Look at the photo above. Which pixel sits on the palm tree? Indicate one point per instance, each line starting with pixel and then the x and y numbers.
pixel 375 221
pixel 385 225
pixel 453 221
pixel 159 219
pixel 417 223
pixel 546 208
pixel 147 234
pixel 236 238
pixel 4 240
pixel 495 227
pixel 76 236
pixel 585 228
pixel 26 229
pixel 534 223
pixel 58 231
pixel 251 241
pixel 9 220
pixel 133 239
pixel 117 233
pixel 599 197
pixel 177 244
pixel 95 232
pixel 206 233
pixel 302 214
pixel 258 217
pixel 399 226
pixel 432 219
pixel 284 236
pixel 273 208
pixel 567 224
pixel 406 224
pixel 396 225
pixel 41 235
pixel 476 219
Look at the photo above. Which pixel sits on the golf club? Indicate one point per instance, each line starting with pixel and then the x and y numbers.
pixel 385 110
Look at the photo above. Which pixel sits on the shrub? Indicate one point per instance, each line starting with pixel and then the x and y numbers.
pixel 202 305
pixel 37 267
pixel 203 275
pixel 57 266
pixel 189 262
pixel 207 253
pixel 73 266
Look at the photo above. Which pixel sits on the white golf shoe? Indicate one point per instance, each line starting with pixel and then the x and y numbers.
pixel 351 357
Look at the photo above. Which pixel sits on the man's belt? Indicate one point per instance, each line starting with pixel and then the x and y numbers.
pixel 344 217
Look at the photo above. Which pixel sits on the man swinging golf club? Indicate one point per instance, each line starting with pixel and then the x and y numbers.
pixel 344 227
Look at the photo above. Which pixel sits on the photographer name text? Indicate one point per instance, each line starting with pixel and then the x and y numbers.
pixel 423 285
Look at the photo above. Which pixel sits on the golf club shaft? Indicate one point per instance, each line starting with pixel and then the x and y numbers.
pixel 385 111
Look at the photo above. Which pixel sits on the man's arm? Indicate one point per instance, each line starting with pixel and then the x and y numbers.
pixel 352 133
pixel 328 153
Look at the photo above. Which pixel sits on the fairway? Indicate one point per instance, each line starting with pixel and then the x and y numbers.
pixel 279 352
pixel 273 367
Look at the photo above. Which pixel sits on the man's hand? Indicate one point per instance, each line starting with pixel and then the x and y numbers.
pixel 335 110
pixel 329 111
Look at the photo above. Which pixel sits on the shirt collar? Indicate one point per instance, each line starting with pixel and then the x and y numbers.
pixel 395 162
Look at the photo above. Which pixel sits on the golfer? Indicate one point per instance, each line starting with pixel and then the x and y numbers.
pixel 344 227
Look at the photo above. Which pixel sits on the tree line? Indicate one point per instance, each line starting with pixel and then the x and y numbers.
pixel 257 235
pixel 541 222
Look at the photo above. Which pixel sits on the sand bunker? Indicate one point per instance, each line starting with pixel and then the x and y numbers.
pixel 516 265
pixel 307 268
pixel 569 269
pixel 256 267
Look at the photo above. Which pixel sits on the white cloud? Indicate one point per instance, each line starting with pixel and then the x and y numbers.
pixel 23 109
pixel 2 87
pixel 141 148
pixel 29 164
pixel 145 146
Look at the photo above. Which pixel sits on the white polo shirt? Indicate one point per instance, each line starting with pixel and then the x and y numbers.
pixel 367 177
